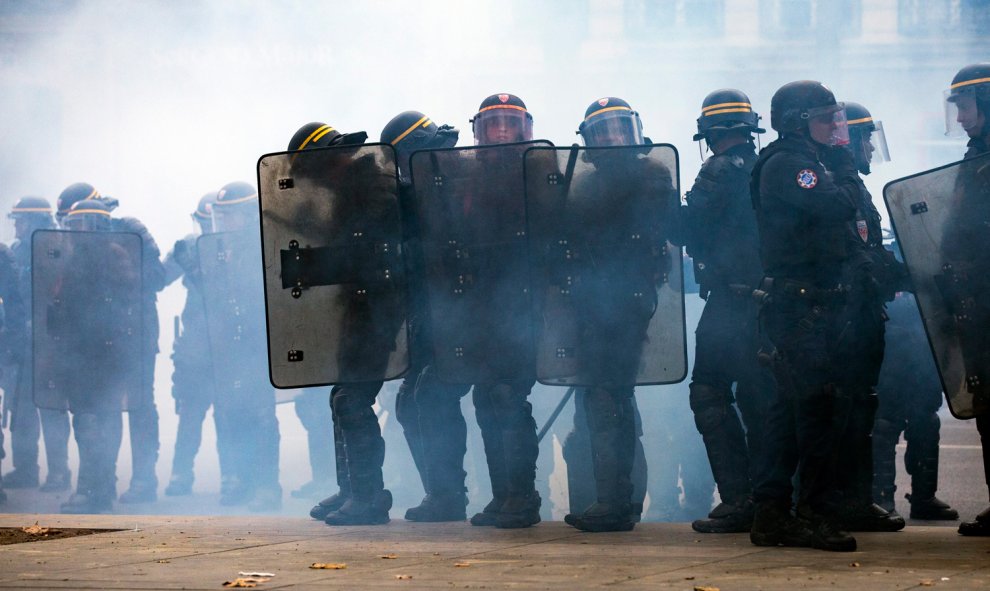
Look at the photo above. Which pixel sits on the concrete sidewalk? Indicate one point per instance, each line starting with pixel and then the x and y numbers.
pixel 204 552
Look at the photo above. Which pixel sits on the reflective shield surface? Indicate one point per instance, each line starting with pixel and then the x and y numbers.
pixel 87 319
pixel 608 285
pixel 334 276
pixel 233 296
pixel 941 218
pixel 471 213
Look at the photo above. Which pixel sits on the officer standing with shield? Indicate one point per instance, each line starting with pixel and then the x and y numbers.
pixel 721 236
pixel 30 214
pixel 599 287
pixel 968 107
pixel 428 409
pixel 805 191
pixel 471 217
pixel 88 337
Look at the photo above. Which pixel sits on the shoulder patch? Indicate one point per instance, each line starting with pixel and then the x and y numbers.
pixel 807 179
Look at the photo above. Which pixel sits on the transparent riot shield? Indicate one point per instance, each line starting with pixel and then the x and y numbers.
pixel 471 212
pixel 941 218
pixel 608 286
pixel 334 282
pixel 87 320
pixel 234 298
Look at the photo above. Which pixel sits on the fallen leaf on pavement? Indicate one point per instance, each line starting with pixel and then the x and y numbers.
pixel 389 556
pixel 926 583
pixel 36 530
pixel 403 577
pixel 854 564
pixel 244 582
pixel 459 564
pixel 250 574
pixel 700 588
pixel 329 565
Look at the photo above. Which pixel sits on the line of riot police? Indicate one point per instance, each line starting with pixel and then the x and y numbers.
pixel 488 268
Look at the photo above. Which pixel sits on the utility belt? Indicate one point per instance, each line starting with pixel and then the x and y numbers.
pixel 785 289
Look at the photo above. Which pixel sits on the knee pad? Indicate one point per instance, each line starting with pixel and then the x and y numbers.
pixel 710 407
pixel 609 410
pixel 923 428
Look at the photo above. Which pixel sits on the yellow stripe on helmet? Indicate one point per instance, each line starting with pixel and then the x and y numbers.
pixel 82 211
pixel 320 131
pixel 968 82
pixel 490 107
pixel 236 201
pixel 720 111
pixel 424 122
pixel 749 107
pixel 858 121
pixel 600 111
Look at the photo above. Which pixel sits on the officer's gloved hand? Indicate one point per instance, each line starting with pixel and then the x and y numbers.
pixel 838 160
pixel 184 256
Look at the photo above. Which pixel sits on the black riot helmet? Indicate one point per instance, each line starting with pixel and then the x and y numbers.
pixel 410 131
pixel 72 194
pixel 236 207
pixel 203 216
pixel 966 99
pixel 322 135
pixel 610 121
pixel 725 110
pixel 809 108
pixel 867 140
pixel 502 119
pixel 89 215
pixel 30 214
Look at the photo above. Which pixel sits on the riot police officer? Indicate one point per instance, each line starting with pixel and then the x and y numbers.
pixel 142 416
pixel 805 191
pixel 11 334
pixel 428 409
pixel 967 106
pixel 504 414
pixel 721 238
pixel 191 388
pixel 30 214
pixel 871 276
pixel 96 419
pixel 230 262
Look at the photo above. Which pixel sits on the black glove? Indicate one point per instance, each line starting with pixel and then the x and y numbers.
pixel 838 160
pixel 184 256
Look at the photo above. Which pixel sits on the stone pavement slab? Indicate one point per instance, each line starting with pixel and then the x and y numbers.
pixel 203 552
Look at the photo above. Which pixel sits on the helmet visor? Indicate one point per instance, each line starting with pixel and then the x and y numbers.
pixel 877 141
pixel 615 128
pixel 828 125
pixel 503 124
pixel 240 216
pixel 87 222
pixel 962 113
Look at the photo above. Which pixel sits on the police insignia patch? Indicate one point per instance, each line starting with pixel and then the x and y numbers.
pixel 807 179
pixel 864 231
pixel 603 101
pixel 504 98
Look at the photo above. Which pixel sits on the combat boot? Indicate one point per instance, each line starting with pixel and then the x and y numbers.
pixel 57 481
pixel 21 478
pixel 869 517
pixel 933 509
pixel 140 491
pixel 489 515
pixel 311 489
pixel 358 512
pixel 774 525
pixel 328 506
pixel 179 485
pixel 727 518
pixel 519 511
pixel 826 532
pixel 439 507
pixel 978 527
pixel 602 517
pixel 87 502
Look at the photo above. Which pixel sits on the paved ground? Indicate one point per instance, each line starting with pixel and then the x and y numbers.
pixel 203 552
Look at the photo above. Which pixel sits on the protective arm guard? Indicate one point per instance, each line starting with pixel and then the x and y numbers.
pixel 154 270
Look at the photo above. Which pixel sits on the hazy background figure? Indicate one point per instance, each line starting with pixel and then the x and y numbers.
pixel 312 406
pixel 27 421
pixel 680 484
pixel 192 386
